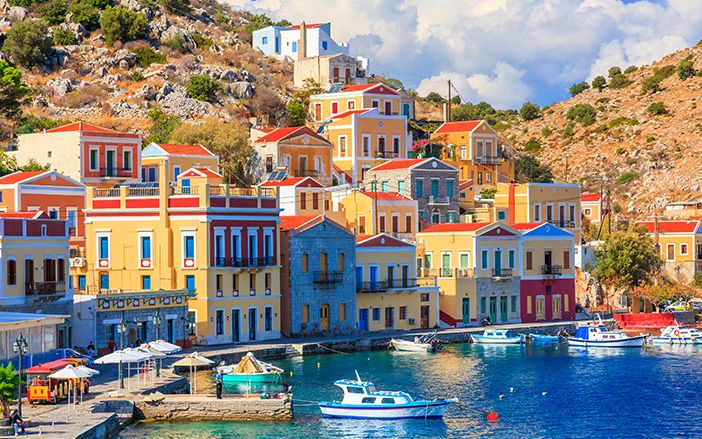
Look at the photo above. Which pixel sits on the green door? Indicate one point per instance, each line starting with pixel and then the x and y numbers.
pixel 503 308
pixel 446 265
pixel 493 309
pixel 466 310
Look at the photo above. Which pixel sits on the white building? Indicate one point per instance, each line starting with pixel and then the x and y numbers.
pixel 282 42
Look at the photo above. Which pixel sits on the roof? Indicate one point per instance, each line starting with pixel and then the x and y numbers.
pixel 590 198
pixel 350 112
pixel 19 176
pixel 458 127
pixel 293 181
pixel 384 89
pixel 342 172
pixel 464 184
pixel 387 196
pixel 30 215
pixel 670 226
pixel 526 226
pixel 49 367
pixel 278 134
pixel 209 172
pixel 80 126
pixel 399 164
pixel 307 26
pixel 295 221
pixel 380 240
pixel 201 172
pixel 184 149
pixel 454 227
pixel 361 238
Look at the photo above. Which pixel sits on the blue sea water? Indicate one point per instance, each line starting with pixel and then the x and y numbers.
pixel 605 393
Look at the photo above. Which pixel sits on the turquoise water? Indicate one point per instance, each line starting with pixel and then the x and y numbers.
pixel 606 393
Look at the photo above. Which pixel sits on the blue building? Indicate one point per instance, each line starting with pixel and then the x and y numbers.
pixel 317 279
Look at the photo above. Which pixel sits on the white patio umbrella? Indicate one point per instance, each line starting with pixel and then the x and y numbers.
pixel 141 356
pixel 165 347
pixel 88 370
pixel 156 354
pixel 70 373
pixel 122 356
pixel 192 361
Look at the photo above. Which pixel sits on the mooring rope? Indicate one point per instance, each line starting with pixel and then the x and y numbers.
pixel 330 349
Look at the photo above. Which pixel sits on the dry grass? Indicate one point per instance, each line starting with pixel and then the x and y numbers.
pixel 87 95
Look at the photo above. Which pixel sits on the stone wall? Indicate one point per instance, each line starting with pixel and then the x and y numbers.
pixel 188 408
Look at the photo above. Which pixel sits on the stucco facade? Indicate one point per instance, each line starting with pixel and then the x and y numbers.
pixel 680 246
pixel 329 70
pixel 379 212
pixel 177 158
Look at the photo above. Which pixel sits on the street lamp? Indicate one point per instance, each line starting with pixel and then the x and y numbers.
pixel 157 322
pixel 121 329
pixel 20 347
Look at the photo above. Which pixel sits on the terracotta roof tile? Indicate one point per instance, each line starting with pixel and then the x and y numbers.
pixel 295 221
pixel 293 181
pixel 19 176
pixel 670 226
pixel 398 164
pixel 185 149
pixel 526 226
pixel 454 227
pixel 350 112
pixel 458 127
pixel 590 198
pixel 387 196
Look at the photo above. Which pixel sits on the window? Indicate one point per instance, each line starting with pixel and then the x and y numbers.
pixel 362 224
pixel 537 212
pixel 104 281
pixel 549 213
pixel 375 104
pixel 449 188
pixel 488 177
pixel 104 247
pixel 510 258
pixel 381 227
pixel 368 400
pixel 435 188
pixel 501 215
pixel 127 159
pixel 342 145
pixel 305 313
pixel 376 314
pixel 424 297
pixel 252 283
pixel 264 40
pixel 342 261
pixel 268 319
pixel 324 45
pixel 374 186
pixel 146 282
pixel 671 252
pixel 366 145
pixel 529 260
pixel 190 283
pixel 403 313
pixel 408 224
pixel 53 213
pixel 401 186
pixel 71 220
pixel 463 260
pixel 315 200
pixel 357 390
pixel 566 260
pixel 294 46
pixel 528 304
pixel 305 263
pixel 335 105
pixel 145 247
pixel 484 259
pixel 418 188
pixel 11 272
pixel 94 160
pixel 267 280
pixel 683 249
pixel 463 152
pixel 189 247
pixel 303 200
pixel 219 322
pixel 350 105
pixel 385 186
pixel 513 303
pixel 483 301
pixel 81 282
pixel 388 401
pixel 427 260
pixel 565 303
pixel 342 311
pixel 396 146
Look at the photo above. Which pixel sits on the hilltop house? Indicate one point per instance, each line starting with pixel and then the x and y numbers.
pixel 284 41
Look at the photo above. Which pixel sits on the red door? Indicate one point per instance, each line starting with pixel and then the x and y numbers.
pixel 388 107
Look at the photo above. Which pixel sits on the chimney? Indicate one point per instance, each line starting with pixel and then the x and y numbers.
pixel 302 44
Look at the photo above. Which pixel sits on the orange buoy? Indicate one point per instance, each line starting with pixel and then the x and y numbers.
pixel 493 416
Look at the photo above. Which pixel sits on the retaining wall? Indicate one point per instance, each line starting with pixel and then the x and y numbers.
pixel 188 408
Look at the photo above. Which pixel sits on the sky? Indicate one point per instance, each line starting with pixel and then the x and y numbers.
pixel 504 52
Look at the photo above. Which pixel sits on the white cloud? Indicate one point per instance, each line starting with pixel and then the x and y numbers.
pixel 505 50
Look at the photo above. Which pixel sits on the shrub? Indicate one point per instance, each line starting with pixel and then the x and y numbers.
pixel 532 145
pixel 488 193
pixel 456 100
pixel 176 6
pixel 630 69
pixel 546 131
pixel 631 162
pixel 434 98
pixel 23 3
pixel 686 68
pixel 202 42
pixel 529 111
pixel 652 84
pixel 64 37
pixel 202 87
pixel 162 126
pixel 614 71
pixel 266 102
pixel 88 16
pixel 121 24
pixel 621 150
pixel 568 130
pixel 622 121
pixel 296 112
pixel 28 43
pixel 584 114
pixel 599 82
pixel 528 168
pixel 619 81
pixel 33 124
pixel 578 88
pixel 54 11
pixel 136 76
pixel 650 139
pixel 178 43
pixel 627 177
pixel 147 56
pixel 602 100
pixel 501 126
pixel 657 109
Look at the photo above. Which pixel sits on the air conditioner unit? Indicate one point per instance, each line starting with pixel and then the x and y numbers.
pixel 76 262
pixel 412 321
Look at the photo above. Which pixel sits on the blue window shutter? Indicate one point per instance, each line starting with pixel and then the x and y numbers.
pixel 189 246
pixel 190 283
pixel 294 46
pixel 146 247
pixel 146 282
pixel 104 248
pixel 105 281
pixel 81 282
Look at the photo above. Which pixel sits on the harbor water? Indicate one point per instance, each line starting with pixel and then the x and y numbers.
pixel 539 392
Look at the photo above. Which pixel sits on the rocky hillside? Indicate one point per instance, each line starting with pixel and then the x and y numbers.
pixel 641 140
pixel 116 85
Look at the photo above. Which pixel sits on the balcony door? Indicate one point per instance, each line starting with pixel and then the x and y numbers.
pixel 493 309
pixel 303 166
pixel 236 325
pixel 498 261
pixel 391 276
pixel 324 317
pixel 110 163
pixel 503 308
pixel 373 277
pixel 548 259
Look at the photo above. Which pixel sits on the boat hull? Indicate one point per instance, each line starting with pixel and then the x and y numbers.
pixel 408 346
pixel 544 339
pixel 481 339
pixel 244 378
pixel 417 409
pixel 631 342
pixel 676 340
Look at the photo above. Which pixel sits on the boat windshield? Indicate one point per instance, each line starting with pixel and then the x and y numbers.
pixel 370 389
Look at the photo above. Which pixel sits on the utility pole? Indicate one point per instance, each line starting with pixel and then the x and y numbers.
pixel 566 169
pixel 448 103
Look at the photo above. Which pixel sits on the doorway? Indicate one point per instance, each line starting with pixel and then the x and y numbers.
pixel 424 316
pixel 110 163
pixel 493 309
pixel 253 323
pixel 540 308
pixel 236 325
pixel 466 310
pixel 170 328
pixel 389 317
pixel 557 307
pixel 503 308
pixel 363 319
pixel 324 317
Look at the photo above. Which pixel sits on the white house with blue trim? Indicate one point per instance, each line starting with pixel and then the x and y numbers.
pixel 283 41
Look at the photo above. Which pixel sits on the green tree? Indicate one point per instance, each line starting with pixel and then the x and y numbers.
pixel 532 145
pixel 12 90
pixel 619 81
pixel 54 11
pixel 296 112
pixel 469 111
pixel 33 124
pixel 121 24
pixel 434 98
pixel 9 385
pixel 627 259
pixel 162 126
pixel 528 168
pixel 578 88
pixel 64 37
pixel 657 109
pixel 686 67
pixel 456 100
pixel 630 69
pixel 394 83
pixel 85 14
pixel 582 113
pixel 599 83
pixel 529 111
pixel 146 56
pixel 614 71
pixel 309 87
pixel 228 140
pixel 257 22
pixel 28 43
pixel 202 87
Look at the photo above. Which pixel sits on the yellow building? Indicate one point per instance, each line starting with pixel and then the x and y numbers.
pixel 555 203
pixel 388 294
pixel 593 207
pixel 218 242
pixel 472 146
pixel 301 196
pixel 379 212
pixel 680 246
pixel 387 100
pixel 477 270
pixel 177 158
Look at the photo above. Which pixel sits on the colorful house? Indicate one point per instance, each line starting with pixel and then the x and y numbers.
pixel 387 100
pixel 555 203
pixel 477 270
pixel 301 196
pixel 87 153
pixel 44 333
pixel 298 151
pixel 593 206
pixel 329 70
pixel 473 147
pixel 318 293
pixel 218 242
pixel 680 246
pixel 380 212
pixel 284 41
pixel 388 294
pixel 177 158
pixel 546 272
pixel 432 183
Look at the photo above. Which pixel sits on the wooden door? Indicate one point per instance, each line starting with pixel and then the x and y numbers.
pixel 317 111
pixel 493 309
pixel 540 308
pixel 389 317
pixel 363 319
pixel 557 307
pixel 324 317
pixel 424 316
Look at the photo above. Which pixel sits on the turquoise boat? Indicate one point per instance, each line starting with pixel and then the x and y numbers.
pixel 250 370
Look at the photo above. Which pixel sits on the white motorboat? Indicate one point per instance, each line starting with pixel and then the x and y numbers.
pixel 596 334
pixel 362 401
pixel 678 334
pixel 497 336
pixel 425 343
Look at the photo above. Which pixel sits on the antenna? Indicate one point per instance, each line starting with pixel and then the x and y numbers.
pixel 358 377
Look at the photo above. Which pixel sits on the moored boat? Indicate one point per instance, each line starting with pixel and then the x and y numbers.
pixel 362 401
pixel 425 343
pixel 545 339
pixel 596 334
pixel 497 336
pixel 250 370
pixel 678 334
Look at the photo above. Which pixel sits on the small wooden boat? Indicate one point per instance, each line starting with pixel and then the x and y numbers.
pixel 497 336
pixel 425 343
pixel 362 401
pixel 596 334
pixel 678 334
pixel 250 370
pixel 544 339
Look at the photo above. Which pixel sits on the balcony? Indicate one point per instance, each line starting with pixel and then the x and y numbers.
pixel 305 173
pixel 387 154
pixel 448 272
pixel 115 172
pixel 243 262
pixel 371 287
pixel 327 277
pixel 564 224
pixel 44 288
pixel 501 274
pixel 438 201
pixel 551 270
pixel 488 160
